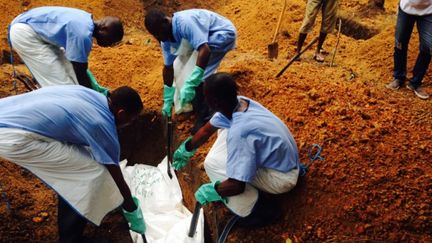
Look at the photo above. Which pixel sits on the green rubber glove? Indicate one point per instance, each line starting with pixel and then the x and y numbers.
pixel 207 193
pixel 181 155
pixel 95 85
pixel 135 218
pixel 168 97
pixel 187 93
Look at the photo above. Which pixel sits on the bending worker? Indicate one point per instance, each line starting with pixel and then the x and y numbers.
pixel 55 42
pixel 206 32
pixel 329 15
pixel 67 137
pixel 254 155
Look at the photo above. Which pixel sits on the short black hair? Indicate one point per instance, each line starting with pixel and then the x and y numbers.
pixel 126 98
pixel 153 19
pixel 116 29
pixel 222 86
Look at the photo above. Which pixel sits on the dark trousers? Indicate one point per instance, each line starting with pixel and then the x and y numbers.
pixel 70 224
pixel 201 109
pixel 266 211
pixel 404 27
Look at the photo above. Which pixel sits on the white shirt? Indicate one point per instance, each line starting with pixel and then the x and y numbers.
pixel 416 7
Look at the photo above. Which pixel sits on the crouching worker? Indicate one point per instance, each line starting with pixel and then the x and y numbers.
pixel 254 155
pixel 67 136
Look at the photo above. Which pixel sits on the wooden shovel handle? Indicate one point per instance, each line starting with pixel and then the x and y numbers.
pixel 279 22
pixel 296 56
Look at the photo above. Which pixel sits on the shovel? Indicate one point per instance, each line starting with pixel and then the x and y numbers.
pixel 273 47
pixel 296 56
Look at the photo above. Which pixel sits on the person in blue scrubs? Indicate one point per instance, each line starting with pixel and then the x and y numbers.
pixel 254 157
pixel 67 137
pixel 55 42
pixel 209 33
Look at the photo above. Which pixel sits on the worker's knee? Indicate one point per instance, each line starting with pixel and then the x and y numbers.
pixel 426 48
pixel 399 45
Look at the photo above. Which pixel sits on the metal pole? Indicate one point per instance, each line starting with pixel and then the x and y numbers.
pixel 144 238
pixel 296 56
pixel 194 220
pixel 169 154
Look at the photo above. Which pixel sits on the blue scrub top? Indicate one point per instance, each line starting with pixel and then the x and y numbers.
pixel 67 113
pixel 69 28
pixel 199 26
pixel 256 139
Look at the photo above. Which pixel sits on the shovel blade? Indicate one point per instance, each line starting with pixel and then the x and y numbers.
pixel 273 50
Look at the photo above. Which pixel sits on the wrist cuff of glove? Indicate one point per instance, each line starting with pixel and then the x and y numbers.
pixel 137 204
pixel 198 70
pixel 196 76
pixel 187 152
pixel 168 94
pixel 215 184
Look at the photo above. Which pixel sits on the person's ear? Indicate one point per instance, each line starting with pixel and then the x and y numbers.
pixel 121 115
pixel 166 20
pixel 166 23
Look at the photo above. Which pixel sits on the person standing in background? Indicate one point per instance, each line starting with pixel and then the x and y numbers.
pixel 412 12
pixel 329 15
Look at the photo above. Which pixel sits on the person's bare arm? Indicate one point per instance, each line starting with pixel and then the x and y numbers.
pixel 201 136
pixel 230 187
pixel 128 203
pixel 203 56
pixel 81 73
pixel 168 75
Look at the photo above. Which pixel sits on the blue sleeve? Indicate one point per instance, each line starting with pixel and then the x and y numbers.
pixel 241 163
pixel 195 30
pixel 104 146
pixel 166 52
pixel 220 121
pixel 78 44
